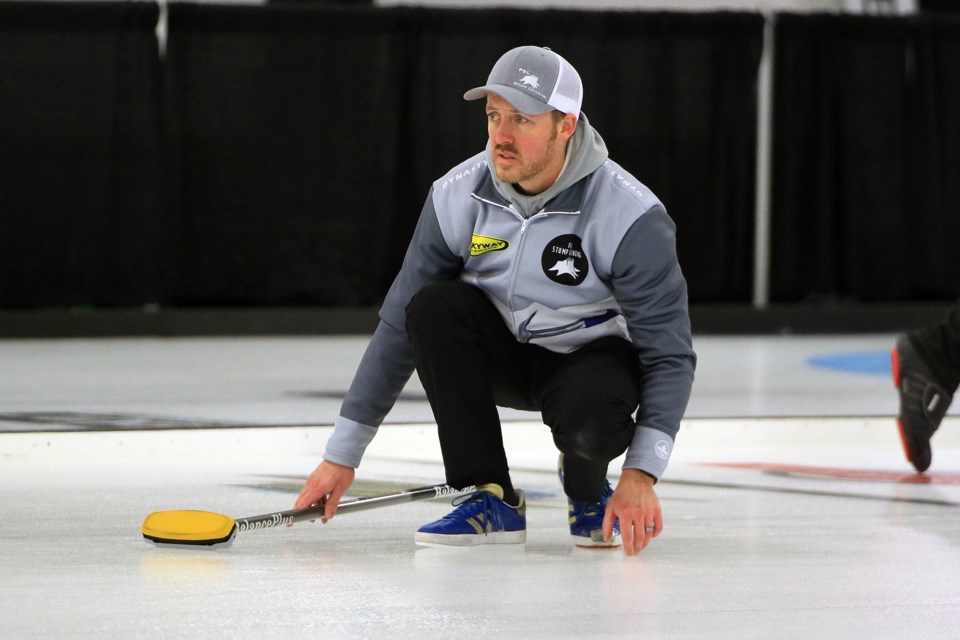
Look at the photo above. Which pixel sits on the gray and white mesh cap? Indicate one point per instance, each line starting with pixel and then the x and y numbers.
pixel 534 80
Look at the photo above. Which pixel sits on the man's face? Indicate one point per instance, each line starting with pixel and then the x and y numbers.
pixel 528 151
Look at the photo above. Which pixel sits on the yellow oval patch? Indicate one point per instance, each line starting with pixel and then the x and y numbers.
pixel 484 244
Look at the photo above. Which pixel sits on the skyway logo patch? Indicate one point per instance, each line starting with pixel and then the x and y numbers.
pixel 480 245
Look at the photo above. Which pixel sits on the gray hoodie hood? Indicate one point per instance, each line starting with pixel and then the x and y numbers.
pixel 586 151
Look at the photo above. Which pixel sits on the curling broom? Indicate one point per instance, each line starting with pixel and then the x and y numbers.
pixel 205 529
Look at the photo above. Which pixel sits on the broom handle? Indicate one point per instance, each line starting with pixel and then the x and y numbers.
pixel 280 518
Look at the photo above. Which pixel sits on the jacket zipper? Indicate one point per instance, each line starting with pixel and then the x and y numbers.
pixel 514 269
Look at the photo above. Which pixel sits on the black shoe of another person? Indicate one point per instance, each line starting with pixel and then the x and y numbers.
pixel 923 403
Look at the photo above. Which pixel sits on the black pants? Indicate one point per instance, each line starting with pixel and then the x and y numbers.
pixel 939 344
pixel 469 363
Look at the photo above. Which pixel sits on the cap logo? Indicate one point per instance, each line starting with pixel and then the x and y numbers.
pixel 533 80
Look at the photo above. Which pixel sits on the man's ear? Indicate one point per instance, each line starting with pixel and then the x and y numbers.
pixel 568 125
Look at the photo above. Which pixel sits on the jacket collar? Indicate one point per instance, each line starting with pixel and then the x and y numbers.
pixel 570 200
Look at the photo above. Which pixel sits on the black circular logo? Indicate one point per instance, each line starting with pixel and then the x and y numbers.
pixel 564 261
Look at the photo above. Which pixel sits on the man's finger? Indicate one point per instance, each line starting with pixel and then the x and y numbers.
pixel 332 501
pixel 608 519
pixel 647 535
pixel 309 495
pixel 629 538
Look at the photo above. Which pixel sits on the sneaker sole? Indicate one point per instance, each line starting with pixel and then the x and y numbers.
pixel 590 543
pixel 895 370
pixel 470 539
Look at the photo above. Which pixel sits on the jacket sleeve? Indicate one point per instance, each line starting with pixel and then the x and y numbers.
pixel 387 363
pixel 652 294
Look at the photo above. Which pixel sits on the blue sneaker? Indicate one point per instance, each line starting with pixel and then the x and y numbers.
pixel 481 517
pixel 586 518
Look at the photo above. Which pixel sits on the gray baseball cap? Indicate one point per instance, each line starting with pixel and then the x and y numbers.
pixel 534 80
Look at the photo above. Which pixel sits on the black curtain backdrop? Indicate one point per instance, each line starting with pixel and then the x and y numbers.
pixel 299 141
pixel 673 95
pixel 284 158
pixel 305 139
pixel 280 154
pixel 79 177
pixel 932 256
pixel 865 195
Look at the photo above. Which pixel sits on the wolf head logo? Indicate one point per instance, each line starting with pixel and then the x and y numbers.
pixel 531 81
pixel 565 268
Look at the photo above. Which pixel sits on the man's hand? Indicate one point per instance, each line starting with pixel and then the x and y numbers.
pixel 328 482
pixel 636 504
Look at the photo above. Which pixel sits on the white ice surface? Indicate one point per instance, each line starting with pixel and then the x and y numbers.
pixel 835 539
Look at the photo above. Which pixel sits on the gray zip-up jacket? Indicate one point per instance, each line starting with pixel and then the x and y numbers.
pixel 592 256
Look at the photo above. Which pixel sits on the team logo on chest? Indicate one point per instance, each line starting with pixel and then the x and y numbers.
pixel 564 261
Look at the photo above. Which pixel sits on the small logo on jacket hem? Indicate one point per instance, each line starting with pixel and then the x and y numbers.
pixel 663 449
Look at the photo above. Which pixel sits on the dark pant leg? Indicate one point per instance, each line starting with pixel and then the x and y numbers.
pixel 939 344
pixel 467 360
pixel 588 400
pixel 469 363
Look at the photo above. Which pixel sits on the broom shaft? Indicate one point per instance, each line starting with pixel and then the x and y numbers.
pixel 281 518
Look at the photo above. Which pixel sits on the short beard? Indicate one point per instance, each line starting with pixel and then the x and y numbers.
pixel 530 171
